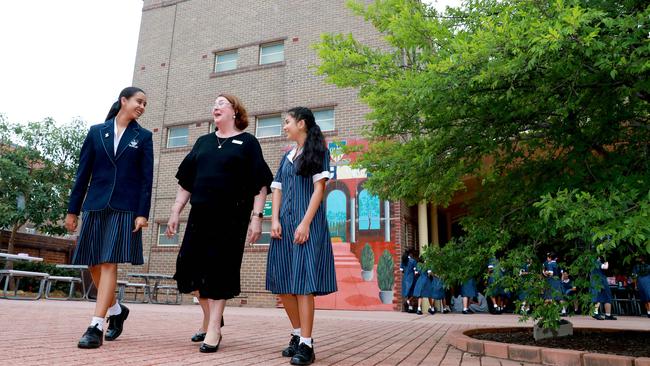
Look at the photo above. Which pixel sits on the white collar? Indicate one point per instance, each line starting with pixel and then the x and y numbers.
pixel 292 154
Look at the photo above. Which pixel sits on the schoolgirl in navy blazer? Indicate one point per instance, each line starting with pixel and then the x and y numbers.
pixel 120 180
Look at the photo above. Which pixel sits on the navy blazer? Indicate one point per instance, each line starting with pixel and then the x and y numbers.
pixel 121 181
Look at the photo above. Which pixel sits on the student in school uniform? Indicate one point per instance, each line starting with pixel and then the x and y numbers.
pixel 641 274
pixel 300 263
pixel 496 293
pixel 552 272
pixel 568 290
pixel 524 272
pixel 428 286
pixel 468 291
pixel 113 189
pixel 226 180
pixel 408 267
pixel 600 292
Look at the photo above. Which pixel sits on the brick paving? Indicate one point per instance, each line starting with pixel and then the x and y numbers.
pixel 46 333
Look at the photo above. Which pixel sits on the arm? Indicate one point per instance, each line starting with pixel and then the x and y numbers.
pixel 276 228
pixel 147 181
pixel 86 159
pixel 182 196
pixel 255 226
pixel 302 231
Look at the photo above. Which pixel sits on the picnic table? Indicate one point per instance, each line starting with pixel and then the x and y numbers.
pixel 9 274
pixel 152 282
pixel 83 275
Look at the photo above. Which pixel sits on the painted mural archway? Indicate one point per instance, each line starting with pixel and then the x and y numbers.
pixel 336 212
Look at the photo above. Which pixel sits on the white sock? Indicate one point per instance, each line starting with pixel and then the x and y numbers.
pixel 420 308
pixel 296 332
pixel 564 310
pixel 114 310
pixel 410 307
pixel 495 306
pixel 608 314
pixel 99 322
pixel 465 309
pixel 307 341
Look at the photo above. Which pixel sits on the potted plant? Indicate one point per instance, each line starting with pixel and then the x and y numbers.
pixel 385 278
pixel 367 262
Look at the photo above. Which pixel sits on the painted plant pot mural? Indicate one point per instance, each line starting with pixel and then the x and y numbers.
pixel 385 277
pixel 367 262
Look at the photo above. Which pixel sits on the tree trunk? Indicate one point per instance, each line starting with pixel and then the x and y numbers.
pixel 10 246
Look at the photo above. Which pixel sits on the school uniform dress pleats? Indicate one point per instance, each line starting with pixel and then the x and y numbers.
pixel 307 268
pixel 599 288
pixel 642 271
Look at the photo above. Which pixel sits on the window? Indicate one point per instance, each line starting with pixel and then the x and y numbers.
pixel 270 53
pixel 225 61
pixel 163 239
pixel 325 119
pixel 265 238
pixel 177 136
pixel 269 126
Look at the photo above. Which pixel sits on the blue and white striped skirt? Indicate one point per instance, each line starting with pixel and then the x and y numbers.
pixel 107 237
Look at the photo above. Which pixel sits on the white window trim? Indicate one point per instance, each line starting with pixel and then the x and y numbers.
pixel 333 118
pixel 169 136
pixel 257 126
pixel 178 235
pixel 258 244
pixel 216 60
pixel 262 46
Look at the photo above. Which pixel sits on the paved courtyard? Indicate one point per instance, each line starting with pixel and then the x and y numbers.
pixel 46 333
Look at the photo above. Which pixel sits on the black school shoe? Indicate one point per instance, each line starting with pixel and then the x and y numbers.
pixel 431 311
pixel 304 355
pixel 92 338
pixel 597 316
pixel 293 346
pixel 610 317
pixel 116 324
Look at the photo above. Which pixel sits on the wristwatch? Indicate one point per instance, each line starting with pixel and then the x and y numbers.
pixel 258 214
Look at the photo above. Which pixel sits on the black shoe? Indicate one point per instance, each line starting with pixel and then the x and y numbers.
pixel 198 337
pixel 116 324
pixel 411 311
pixel 564 314
pixel 610 317
pixel 206 348
pixel 92 338
pixel 465 311
pixel 304 355
pixel 597 317
pixel 419 312
pixel 445 311
pixel 431 311
pixel 293 346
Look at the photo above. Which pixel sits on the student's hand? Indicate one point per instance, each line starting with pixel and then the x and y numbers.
pixel 302 233
pixel 276 229
pixel 172 225
pixel 254 230
pixel 71 222
pixel 140 222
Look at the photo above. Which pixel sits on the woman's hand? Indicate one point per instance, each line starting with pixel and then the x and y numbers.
pixel 140 222
pixel 172 225
pixel 71 222
pixel 302 233
pixel 276 229
pixel 254 230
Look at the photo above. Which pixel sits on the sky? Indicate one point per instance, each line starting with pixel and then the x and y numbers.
pixel 69 59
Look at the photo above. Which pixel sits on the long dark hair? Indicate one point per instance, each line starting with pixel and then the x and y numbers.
pixel 127 93
pixel 310 161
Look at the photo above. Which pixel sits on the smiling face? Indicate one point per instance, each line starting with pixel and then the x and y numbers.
pixel 295 130
pixel 134 106
pixel 222 111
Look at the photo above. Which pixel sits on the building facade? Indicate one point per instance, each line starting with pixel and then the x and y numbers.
pixel 189 51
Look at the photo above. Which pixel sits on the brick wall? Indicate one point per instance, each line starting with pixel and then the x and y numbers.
pixel 175 65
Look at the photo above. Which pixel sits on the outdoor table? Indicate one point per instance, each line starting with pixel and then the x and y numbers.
pixel 82 268
pixel 19 257
pixel 152 289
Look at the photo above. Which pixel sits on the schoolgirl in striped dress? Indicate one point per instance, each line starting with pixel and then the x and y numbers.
pixel 300 263
pixel 113 181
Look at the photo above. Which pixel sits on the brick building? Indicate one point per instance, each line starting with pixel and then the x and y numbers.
pixel 191 50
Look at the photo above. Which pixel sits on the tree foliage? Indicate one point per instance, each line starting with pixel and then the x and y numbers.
pixel 545 102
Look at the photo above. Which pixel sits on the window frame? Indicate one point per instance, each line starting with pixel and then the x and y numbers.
pixel 224 53
pixel 177 236
pixel 272 44
pixel 333 118
pixel 169 136
pixel 268 116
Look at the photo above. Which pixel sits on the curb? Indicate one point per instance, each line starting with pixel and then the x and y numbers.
pixel 548 356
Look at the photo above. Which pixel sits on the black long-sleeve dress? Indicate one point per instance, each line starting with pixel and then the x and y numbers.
pixel 223 177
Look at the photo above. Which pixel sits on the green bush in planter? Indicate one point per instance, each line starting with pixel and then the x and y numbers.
pixel 367 258
pixel 385 276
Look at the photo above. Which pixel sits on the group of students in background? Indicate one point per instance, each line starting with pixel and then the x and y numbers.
pixel 420 281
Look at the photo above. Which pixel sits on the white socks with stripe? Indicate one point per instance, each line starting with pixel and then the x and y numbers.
pixel 307 341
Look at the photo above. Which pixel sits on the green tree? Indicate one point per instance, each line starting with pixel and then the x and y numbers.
pixel 38 163
pixel 544 102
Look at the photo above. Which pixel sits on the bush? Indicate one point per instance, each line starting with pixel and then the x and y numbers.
pixel 385 277
pixel 367 258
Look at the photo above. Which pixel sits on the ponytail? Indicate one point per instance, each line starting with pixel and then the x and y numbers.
pixel 127 93
pixel 310 162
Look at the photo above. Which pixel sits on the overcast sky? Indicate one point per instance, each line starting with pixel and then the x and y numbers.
pixel 69 58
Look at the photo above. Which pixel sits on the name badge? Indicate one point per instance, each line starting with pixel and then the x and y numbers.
pixel 238 142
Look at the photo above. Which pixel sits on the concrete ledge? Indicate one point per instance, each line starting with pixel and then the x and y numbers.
pixel 462 340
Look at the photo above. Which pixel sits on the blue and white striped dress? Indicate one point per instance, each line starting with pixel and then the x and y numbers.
pixel 308 268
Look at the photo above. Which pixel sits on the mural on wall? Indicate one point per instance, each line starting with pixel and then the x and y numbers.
pixel 359 225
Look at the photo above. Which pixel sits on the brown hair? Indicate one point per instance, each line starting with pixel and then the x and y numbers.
pixel 241 117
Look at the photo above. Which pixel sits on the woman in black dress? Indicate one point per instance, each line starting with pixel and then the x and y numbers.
pixel 226 180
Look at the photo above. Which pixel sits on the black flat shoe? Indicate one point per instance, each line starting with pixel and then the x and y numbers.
pixel 610 317
pixel 91 339
pixel 116 324
pixel 293 346
pixel 206 348
pixel 198 337
pixel 304 355
pixel 431 311
pixel 597 317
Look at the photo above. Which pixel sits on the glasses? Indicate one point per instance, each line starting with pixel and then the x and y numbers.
pixel 220 104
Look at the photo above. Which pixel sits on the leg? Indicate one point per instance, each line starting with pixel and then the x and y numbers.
pixel 105 288
pixel 213 336
pixel 306 311
pixel 290 303
pixel 205 306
